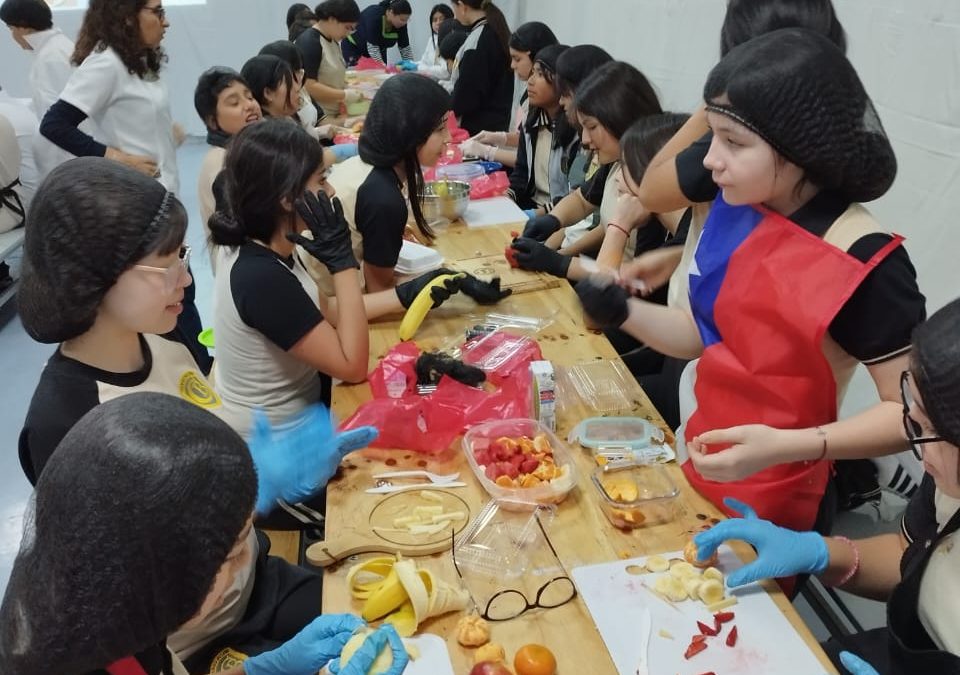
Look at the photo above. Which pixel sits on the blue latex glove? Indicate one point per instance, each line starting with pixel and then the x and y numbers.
pixel 296 462
pixel 309 650
pixel 344 151
pixel 407 65
pixel 856 665
pixel 363 659
pixel 530 213
pixel 780 552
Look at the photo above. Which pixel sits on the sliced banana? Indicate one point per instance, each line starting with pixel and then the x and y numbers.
pixel 692 586
pixel 662 585
pixel 683 570
pixel 657 563
pixel 711 591
pixel 713 573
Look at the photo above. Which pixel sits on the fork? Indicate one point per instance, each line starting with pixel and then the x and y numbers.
pixel 419 473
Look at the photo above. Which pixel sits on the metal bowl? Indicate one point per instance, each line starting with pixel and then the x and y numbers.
pixel 445 199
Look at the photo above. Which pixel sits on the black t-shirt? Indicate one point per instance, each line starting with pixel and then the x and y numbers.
pixel 593 187
pixel 919 522
pixel 696 182
pixel 68 389
pixel 269 297
pixel 310 44
pixel 483 93
pixel 381 217
pixel 876 323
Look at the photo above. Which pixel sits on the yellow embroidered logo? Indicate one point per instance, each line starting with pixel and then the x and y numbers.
pixel 195 389
pixel 228 659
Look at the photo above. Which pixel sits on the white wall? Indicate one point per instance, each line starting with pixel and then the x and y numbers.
pixel 907 52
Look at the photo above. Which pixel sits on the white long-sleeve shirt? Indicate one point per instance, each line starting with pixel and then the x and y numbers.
pixel 431 63
pixel 51 67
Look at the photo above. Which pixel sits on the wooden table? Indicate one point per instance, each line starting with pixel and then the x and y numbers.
pixel 581 533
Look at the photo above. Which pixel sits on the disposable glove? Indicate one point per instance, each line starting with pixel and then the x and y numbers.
pixel 309 650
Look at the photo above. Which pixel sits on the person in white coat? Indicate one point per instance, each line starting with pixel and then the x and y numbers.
pixel 31 26
pixel 117 84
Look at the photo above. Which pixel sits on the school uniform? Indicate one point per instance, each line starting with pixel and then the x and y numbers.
pixel 264 304
pixel 482 82
pixel 376 212
pixel 538 179
pixel 786 309
pixel 431 63
pixel 922 634
pixel 374 36
pixel 323 61
pixel 132 113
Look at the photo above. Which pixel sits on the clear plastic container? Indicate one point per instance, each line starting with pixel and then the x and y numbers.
pixel 461 172
pixel 503 538
pixel 636 496
pixel 626 433
pixel 480 438
pixel 602 386
pixel 492 351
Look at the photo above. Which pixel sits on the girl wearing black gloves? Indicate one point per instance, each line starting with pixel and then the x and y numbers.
pixel 274 329
pixel 381 26
pixel 154 545
pixel 607 104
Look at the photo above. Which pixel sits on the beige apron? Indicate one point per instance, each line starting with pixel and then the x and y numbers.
pixel 333 73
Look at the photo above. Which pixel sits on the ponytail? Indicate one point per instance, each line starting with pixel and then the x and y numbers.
pixel 498 22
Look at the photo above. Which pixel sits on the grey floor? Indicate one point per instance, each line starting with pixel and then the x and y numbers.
pixel 21 360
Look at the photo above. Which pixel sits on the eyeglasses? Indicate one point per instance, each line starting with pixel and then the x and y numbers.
pixel 158 11
pixel 911 427
pixel 172 274
pixel 511 603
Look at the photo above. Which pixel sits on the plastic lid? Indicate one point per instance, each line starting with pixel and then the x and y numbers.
pixel 603 385
pixel 464 172
pixel 629 433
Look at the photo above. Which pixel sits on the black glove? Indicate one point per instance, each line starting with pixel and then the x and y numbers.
pixel 536 257
pixel 331 243
pixel 408 291
pixel 605 303
pixel 484 292
pixel 541 227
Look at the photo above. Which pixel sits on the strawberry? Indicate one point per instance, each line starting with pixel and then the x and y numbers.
pixel 694 649
pixel 732 637
pixel 529 465
pixel 707 630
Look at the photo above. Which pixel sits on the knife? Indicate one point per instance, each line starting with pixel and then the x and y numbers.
pixel 388 489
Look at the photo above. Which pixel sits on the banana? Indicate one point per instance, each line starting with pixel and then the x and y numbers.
pixel 387 597
pixel 418 309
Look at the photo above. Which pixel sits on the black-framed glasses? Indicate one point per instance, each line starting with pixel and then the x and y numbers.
pixel 510 603
pixel 159 11
pixel 911 427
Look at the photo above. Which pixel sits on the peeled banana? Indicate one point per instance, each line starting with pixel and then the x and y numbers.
pixel 418 309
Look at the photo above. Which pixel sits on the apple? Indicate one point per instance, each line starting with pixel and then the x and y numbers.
pixel 490 668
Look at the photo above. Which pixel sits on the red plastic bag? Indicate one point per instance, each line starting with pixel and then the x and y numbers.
pixel 511 400
pixel 413 423
pixel 366 63
pixel 396 375
pixel 492 185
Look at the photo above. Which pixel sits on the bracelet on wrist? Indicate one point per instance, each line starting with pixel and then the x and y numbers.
pixel 823 450
pixel 615 226
pixel 853 568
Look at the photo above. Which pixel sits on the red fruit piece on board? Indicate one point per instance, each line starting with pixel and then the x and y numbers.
pixel 732 637
pixel 511 256
pixel 707 630
pixel 694 649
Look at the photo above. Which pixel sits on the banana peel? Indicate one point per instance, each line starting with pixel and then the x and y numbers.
pixel 394 589
pixel 418 309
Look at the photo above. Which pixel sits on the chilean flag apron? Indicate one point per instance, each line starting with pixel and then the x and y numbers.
pixel 763 292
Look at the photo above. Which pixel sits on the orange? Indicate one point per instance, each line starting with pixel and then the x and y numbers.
pixel 534 660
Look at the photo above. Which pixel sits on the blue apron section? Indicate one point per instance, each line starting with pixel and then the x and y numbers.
pixel 727 227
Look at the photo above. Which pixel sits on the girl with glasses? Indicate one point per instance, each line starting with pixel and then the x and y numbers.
pixel 104 272
pixel 914 570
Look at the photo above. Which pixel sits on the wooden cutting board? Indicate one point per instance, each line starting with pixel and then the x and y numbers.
pixel 520 281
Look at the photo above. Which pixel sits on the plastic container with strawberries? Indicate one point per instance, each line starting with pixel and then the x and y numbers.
pixel 520 460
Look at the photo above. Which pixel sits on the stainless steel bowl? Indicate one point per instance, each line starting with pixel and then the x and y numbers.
pixel 445 199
